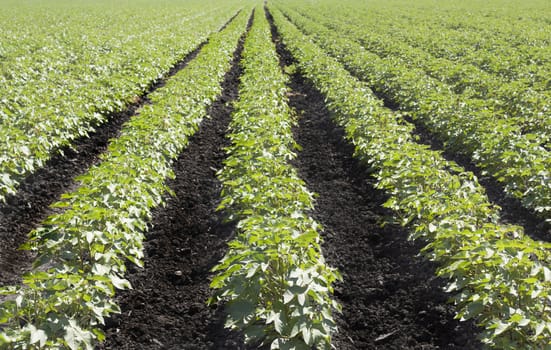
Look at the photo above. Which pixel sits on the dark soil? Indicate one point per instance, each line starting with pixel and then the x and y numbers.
pixel 167 307
pixel 25 210
pixel 390 297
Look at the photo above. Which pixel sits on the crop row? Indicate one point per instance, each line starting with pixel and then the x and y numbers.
pixel 521 56
pixel 64 89
pixel 82 250
pixel 518 50
pixel 495 145
pixel 515 102
pixel 501 277
pixel 274 280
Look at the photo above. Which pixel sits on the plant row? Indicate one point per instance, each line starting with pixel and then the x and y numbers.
pixel 514 101
pixel 494 144
pixel 82 250
pixel 500 276
pixel 65 88
pixel 274 281
pixel 522 55
pixel 513 48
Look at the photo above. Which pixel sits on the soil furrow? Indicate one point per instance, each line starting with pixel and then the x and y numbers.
pixel 390 297
pixel 25 210
pixel 166 309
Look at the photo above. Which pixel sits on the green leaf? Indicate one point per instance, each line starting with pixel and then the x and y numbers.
pixel 501 327
pixel 38 336
pixel 240 310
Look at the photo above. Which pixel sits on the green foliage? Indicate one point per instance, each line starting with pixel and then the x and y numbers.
pixel 82 250
pixel 67 66
pixel 274 280
pixel 520 102
pixel 466 124
pixel 484 92
pixel 509 42
pixel 500 276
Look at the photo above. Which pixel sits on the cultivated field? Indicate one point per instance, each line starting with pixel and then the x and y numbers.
pixel 275 175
